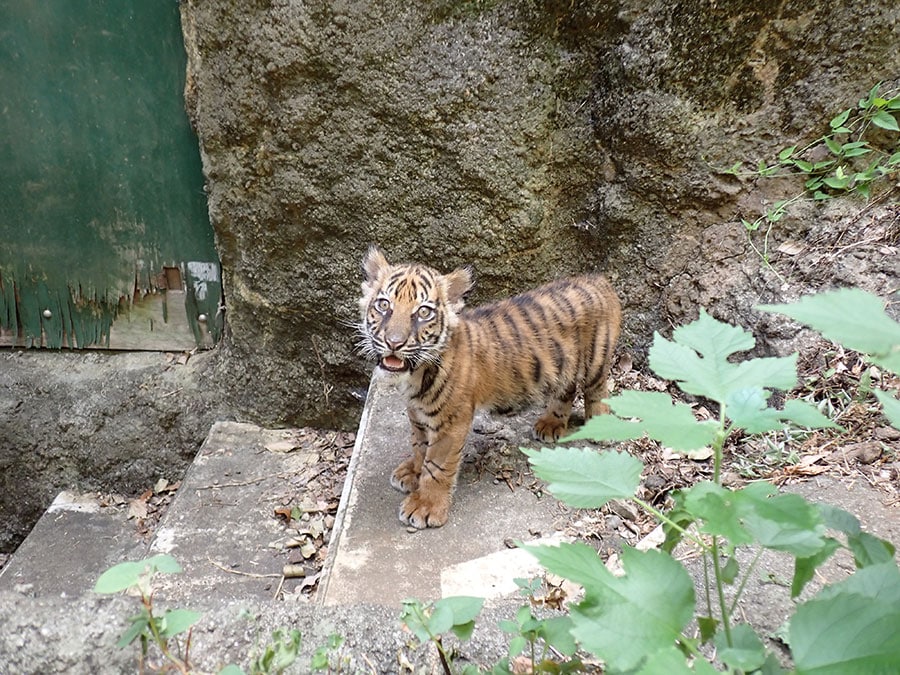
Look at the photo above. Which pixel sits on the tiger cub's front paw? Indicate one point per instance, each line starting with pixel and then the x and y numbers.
pixel 423 509
pixel 405 477
pixel 549 428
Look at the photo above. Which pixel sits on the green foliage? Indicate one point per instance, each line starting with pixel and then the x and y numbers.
pixel 857 320
pixel 624 619
pixel 280 653
pixel 428 622
pixel 531 633
pixel 170 633
pixel 147 626
pixel 852 317
pixel 324 655
pixel 850 158
pixel 636 622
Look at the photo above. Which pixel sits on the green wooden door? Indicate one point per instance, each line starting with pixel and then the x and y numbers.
pixel 105 237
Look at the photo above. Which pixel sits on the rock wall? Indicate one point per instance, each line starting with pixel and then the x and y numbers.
pixel 528 139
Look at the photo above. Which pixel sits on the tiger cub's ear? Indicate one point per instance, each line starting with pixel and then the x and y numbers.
pixel 458 283
pixel 373 263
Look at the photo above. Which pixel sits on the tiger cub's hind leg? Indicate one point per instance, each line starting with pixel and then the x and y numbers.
pixel 596 384
pixel 551 426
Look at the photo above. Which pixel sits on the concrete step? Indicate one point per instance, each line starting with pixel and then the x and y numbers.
pixel 222 526
pixel 374 558
pixel 70 546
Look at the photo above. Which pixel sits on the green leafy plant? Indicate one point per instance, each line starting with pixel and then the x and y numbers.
pixel 278 654
pixel 546 642
pixel 637 622
pixel 327 658
pixel 164 631
pixel 847 159
pixel 170 633
pixel 429 622
pixel 857 320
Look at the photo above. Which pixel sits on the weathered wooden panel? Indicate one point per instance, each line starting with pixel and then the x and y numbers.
pixel 101 190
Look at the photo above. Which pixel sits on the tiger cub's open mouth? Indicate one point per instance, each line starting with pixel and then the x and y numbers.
pixel 393 364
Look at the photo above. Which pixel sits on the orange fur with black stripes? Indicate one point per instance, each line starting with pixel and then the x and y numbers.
pixel 540 344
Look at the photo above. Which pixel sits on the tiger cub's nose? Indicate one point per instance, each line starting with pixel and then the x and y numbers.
pixel 394 342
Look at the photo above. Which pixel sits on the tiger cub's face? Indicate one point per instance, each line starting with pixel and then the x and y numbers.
pixel 408 311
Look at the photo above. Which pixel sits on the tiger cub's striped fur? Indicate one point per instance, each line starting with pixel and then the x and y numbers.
pixel 538 344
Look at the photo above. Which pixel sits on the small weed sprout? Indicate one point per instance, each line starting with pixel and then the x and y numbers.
pixel 165 632
pixel 429 622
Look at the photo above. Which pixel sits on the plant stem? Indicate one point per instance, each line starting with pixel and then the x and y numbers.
pixel 743 584
pixel 717 568
pixel 663 518
pixel 444 663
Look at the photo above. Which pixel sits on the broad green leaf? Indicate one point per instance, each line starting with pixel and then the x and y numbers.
pixel 177 621
pixel 889 406
pixel 872 97
pixel 456 613
pixel 127 574
pixel 163 563
pixel 415 617
pixel 885 120
pixel 838 519
pixel 658 416
pixel 642 612
pixel 119 577
pixel 748 409
pixel 139 624
pixel 464 608
pixel 517 646
pixel 805 568
pixel 441 619
pixel 606 428
pixel 785 522
pixel 584 478
pixel 697 359
pixel 833 146
pixel 708 626
pixel 804 414
pixel 557 632
pixel 785 154
pixel 850 627
pixel 840 119
pixel 836 182
pixel 463 631
pixel 869 549
pixel 746 651
pixel 232 669
pixel 577 562
pixel 622 619
pixel 730 570
pixel 720 510
pixel 852 317
pixel 856 152
pixel 667 660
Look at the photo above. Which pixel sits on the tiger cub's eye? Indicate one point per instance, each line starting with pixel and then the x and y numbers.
pixel 425 313
pixel 382 305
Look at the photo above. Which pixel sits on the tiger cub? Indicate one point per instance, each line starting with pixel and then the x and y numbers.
pixel 455 360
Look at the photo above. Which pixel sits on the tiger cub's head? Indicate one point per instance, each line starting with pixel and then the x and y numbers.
pixel 408 311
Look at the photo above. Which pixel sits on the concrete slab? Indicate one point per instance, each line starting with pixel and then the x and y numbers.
pixel 69 547
pixel 374 558
pixel 221 527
